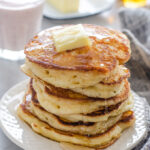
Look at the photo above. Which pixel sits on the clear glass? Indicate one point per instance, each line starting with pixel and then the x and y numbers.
pixel 20 20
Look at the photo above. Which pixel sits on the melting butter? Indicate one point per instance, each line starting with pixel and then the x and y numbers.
pixel 70 38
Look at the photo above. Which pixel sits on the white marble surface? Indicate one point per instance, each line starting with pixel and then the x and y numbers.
pixel 10 73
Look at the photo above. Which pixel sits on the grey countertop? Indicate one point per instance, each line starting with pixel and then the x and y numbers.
pixel 10 73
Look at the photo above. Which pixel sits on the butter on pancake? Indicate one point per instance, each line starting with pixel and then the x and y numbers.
pixel 81 67
pixel 70 38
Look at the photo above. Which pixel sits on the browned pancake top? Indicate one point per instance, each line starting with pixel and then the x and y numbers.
pixel 108 47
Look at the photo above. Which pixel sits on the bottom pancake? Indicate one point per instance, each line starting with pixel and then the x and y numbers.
pixel 95 141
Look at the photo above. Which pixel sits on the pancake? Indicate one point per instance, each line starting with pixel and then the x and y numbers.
pixel 63 101
pixel 74 127
pixel 84 66
pixel 107 88
pixel 61 124
pixel 97 141
pixel 80 97
pixel 102 114
pixel 82 128
pixel 68 79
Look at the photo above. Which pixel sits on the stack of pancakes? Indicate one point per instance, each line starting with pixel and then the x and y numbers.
pixel 81 96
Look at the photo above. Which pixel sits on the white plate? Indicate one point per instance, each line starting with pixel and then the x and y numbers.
pixel 22 135
pixel 86 8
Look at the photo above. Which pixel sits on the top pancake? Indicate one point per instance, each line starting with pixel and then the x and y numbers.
pixel 108 48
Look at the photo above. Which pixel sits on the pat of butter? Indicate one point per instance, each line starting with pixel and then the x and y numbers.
pixel 65 6
pixel 70 38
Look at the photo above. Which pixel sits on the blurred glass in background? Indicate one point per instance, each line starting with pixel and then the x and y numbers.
pixel 19 21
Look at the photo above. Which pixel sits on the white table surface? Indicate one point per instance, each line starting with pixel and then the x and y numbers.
pixel 10 73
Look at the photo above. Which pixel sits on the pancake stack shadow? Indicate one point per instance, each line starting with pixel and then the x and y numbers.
pixel 81 96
